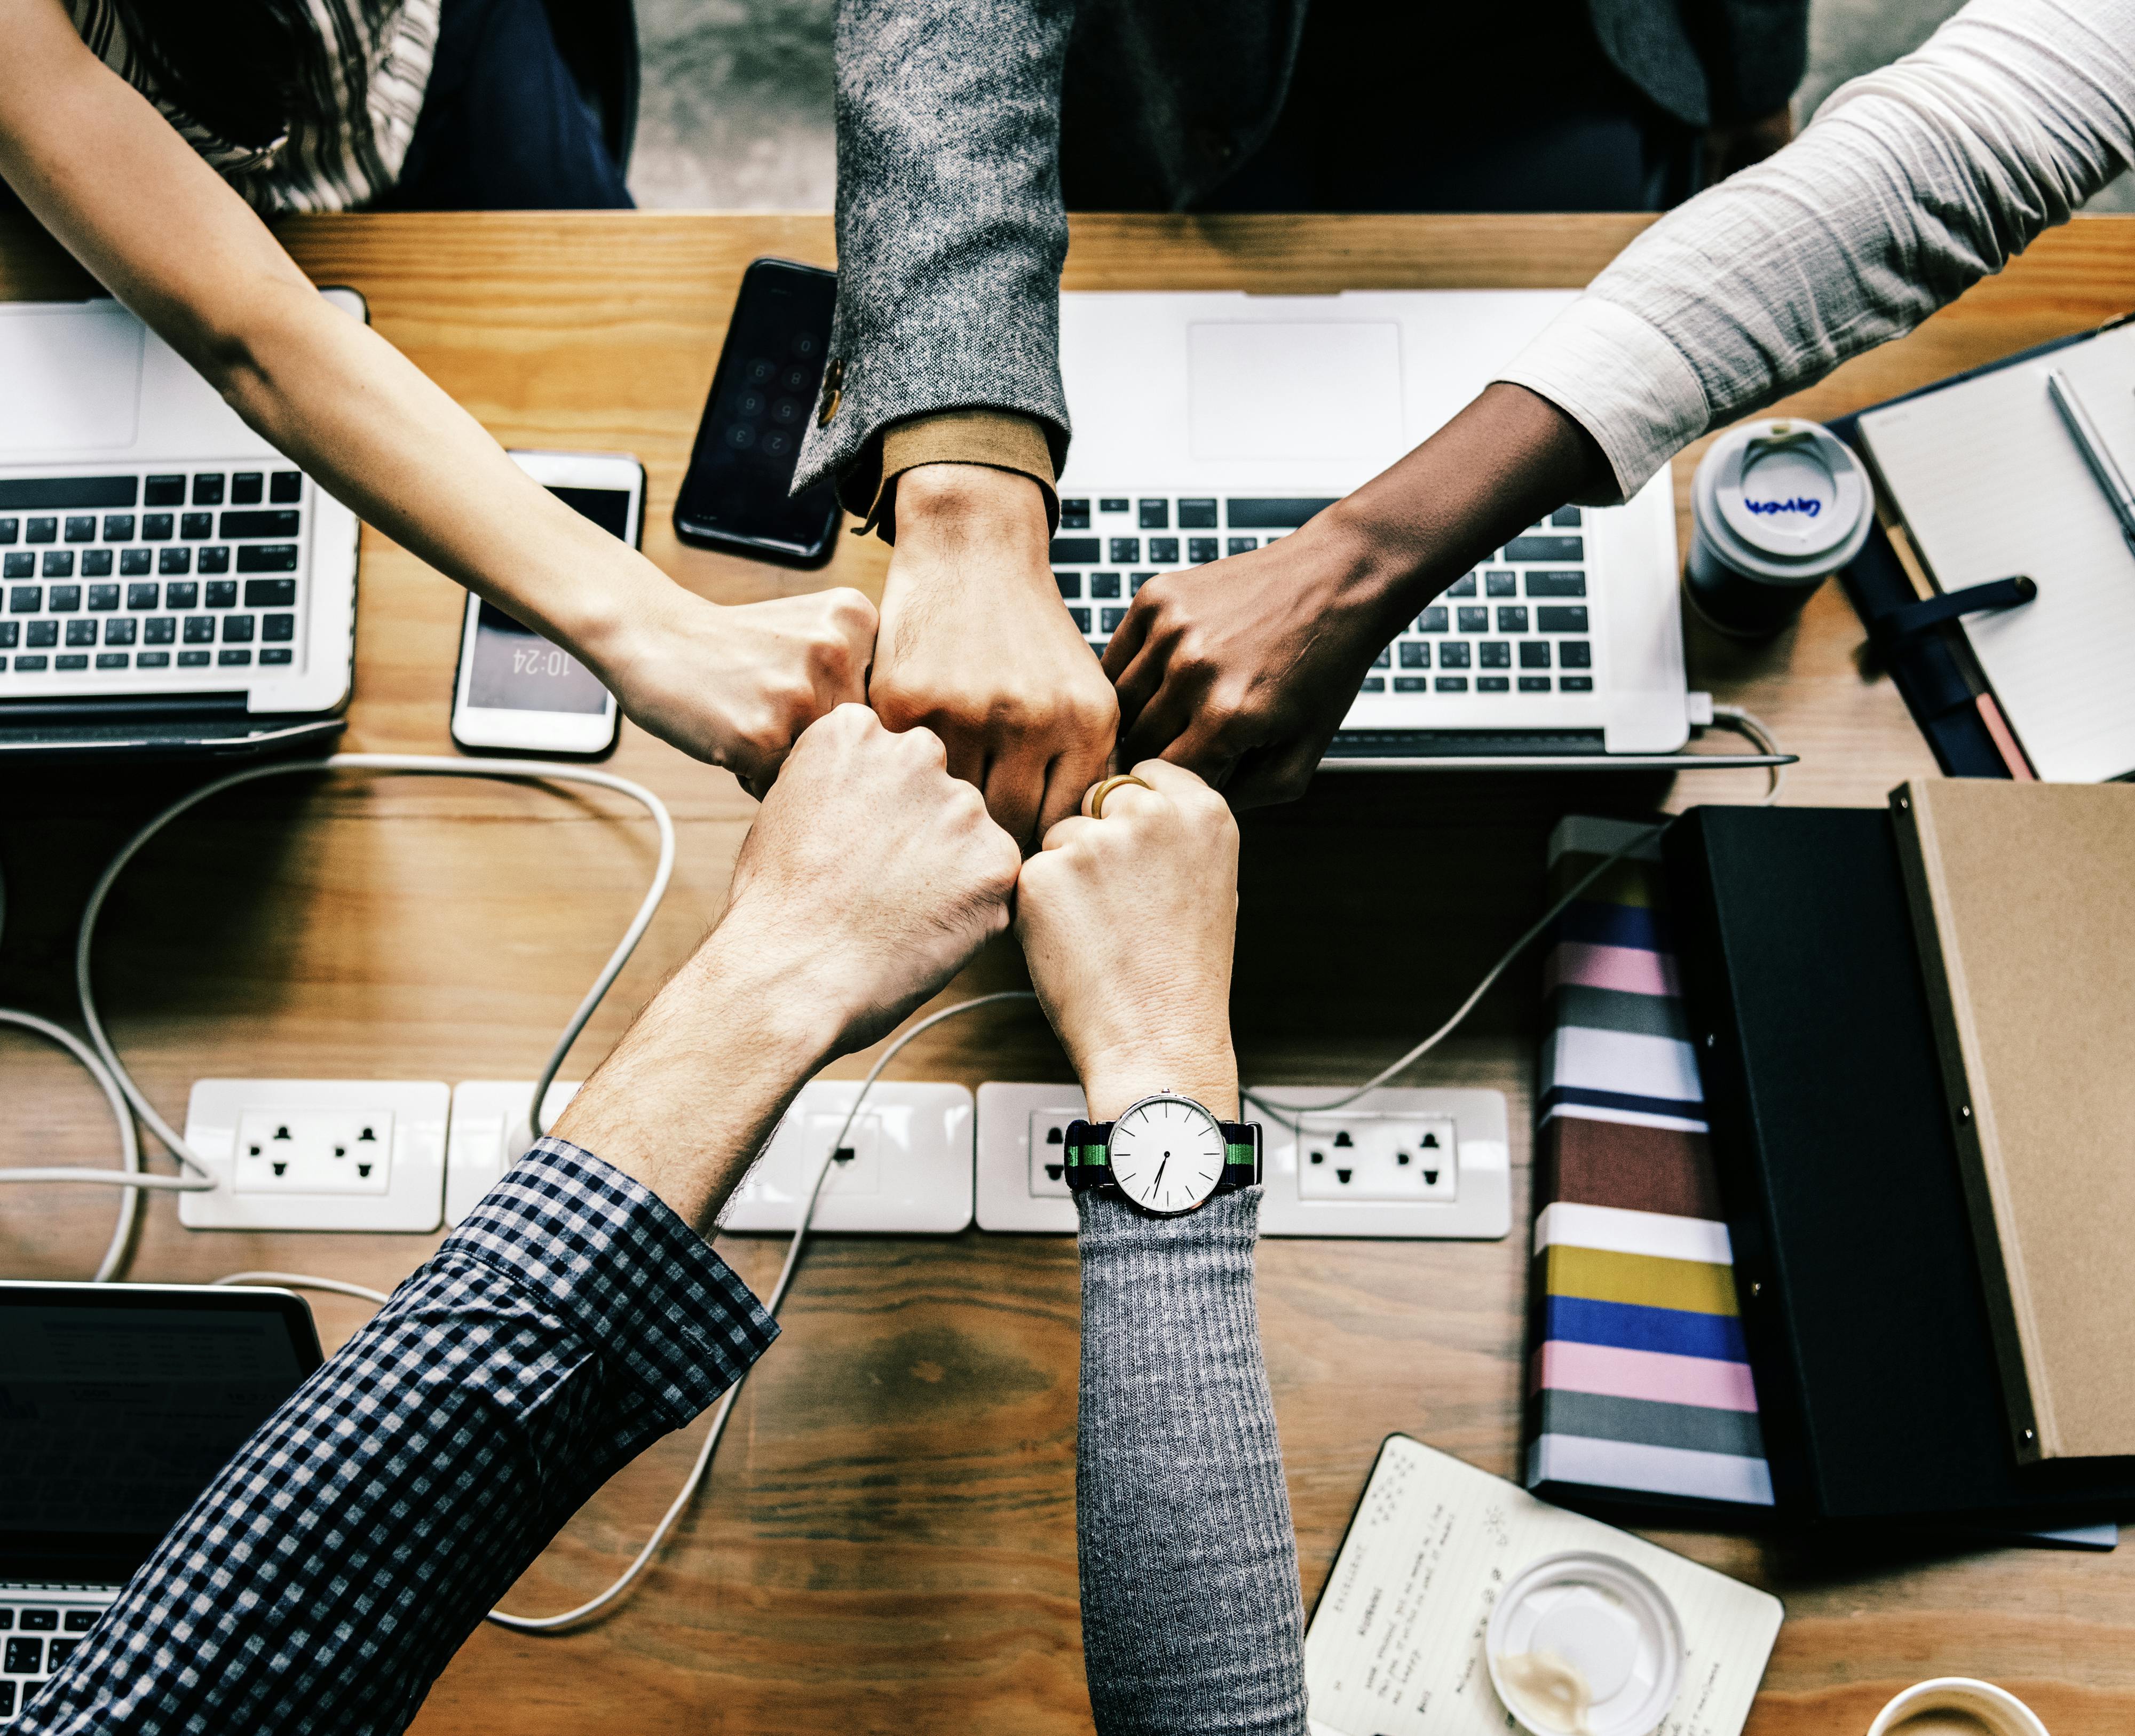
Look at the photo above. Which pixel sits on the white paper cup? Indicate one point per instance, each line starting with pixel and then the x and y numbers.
pixel 1776 507
pixel 1999 1712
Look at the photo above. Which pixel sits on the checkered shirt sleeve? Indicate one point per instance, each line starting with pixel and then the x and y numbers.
pixel 328 1574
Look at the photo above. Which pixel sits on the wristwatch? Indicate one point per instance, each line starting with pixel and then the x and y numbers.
pixel 1166 1155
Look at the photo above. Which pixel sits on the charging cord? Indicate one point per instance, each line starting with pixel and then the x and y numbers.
pixel 100 1058
pixel 1291 1114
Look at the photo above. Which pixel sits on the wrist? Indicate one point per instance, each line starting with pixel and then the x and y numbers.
pixel 952 504
pixel 1207 1072
pixel 621 606
pixel 783 1000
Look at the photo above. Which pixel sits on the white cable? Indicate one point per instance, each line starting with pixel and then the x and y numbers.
pixel 1746 723
pixel 429 765
pixel 104 1065
pixel 299 1281
pixel 1730 717
pixel 127 1177
pixel 572 1618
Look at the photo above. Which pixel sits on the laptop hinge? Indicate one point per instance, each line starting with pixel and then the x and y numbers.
pixel 123 708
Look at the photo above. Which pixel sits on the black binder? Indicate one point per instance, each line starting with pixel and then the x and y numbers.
pixel 1854 1265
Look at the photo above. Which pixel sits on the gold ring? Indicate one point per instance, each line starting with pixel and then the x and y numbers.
pixel 1098 794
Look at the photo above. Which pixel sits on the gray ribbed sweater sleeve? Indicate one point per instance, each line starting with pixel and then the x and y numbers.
pixel 1912 183
pixel 1192 1615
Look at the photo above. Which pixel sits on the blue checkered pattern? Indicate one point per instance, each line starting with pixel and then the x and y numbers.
pixel 331 1570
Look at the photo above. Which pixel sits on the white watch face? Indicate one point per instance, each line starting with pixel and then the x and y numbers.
pixel 1167 1154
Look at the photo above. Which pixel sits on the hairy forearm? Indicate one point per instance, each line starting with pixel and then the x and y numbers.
pixel 691 1093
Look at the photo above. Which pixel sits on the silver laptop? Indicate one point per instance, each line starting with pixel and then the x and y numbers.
pixel 1206 424
pixel 119 1403
pixel 168 581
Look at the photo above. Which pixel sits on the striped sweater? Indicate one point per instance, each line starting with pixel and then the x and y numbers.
pixel 349 147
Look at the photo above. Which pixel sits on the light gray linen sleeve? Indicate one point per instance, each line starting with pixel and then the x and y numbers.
pixel 1192 1615
pixel 951 229
pixel 1912 183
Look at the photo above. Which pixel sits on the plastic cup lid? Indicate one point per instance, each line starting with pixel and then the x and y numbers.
pixel 1790 490
pixel 1584 1644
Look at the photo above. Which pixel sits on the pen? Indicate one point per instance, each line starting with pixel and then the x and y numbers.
pixel 2092 445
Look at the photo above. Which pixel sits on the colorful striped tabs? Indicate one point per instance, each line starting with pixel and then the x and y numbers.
pixel 1639 1383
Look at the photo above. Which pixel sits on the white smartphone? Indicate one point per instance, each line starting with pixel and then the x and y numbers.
pixel 515 691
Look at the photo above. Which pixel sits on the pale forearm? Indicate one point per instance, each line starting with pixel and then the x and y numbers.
pixel 378 434
pixel 124 193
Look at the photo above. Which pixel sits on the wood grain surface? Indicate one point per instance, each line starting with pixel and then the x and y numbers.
pixel 887 1543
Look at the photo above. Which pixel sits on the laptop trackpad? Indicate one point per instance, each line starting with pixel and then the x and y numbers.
pixel 1285 389
pixel 74 378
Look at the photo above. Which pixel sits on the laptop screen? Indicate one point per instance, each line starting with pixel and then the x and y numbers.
pixel 119 1403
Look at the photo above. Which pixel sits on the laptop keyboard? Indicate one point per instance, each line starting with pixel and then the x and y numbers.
pixel 1522 622
pixel 149 573
pixel 37 1638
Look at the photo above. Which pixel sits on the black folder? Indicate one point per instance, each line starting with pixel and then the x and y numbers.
pixel 1860 1296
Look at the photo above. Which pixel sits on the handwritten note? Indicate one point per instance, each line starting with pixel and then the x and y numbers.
pixel 1396 1645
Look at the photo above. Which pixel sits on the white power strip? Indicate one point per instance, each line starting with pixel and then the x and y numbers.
pixel 909 1174
pixel 491 1132
pixel 1397 1163
pixel 317 1153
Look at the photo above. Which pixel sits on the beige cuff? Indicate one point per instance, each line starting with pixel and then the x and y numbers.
pixel 1001 439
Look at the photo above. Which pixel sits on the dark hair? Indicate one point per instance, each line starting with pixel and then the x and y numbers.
pixel 243 68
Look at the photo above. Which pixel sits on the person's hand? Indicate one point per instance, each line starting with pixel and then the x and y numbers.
pixel 1128 923
pixel 1243 669
pixel 977 646
pixel 870 877
pixel 736 686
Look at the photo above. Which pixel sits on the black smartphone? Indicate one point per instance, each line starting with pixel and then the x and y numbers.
pixel 738 494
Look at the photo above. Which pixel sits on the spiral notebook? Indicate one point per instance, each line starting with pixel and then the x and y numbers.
pixel 1396 1644
pixel 1990 484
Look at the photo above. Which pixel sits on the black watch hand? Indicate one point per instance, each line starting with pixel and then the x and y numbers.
pixel 1159 1180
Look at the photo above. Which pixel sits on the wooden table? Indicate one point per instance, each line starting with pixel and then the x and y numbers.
pixel 887 1542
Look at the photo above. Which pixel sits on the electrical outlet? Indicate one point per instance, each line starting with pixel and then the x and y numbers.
pixel 490 1131
pixel 905 1170
pixel 318 1154
pixel 1459 1187
pixel 1022 1184
pixel 314 1151
pixel 1377 1157
pixel 1456 1183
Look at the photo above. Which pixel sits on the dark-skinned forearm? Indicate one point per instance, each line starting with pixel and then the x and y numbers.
pixel 1507 459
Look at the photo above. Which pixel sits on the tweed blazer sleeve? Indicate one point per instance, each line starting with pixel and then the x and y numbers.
pixel 951 229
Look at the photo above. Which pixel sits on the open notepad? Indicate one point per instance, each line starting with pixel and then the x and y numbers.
pixel 1990 484
pixel 1396 1645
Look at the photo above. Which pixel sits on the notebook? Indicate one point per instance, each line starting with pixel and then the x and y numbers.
pixel 1639 1387
pixel 1990 484
pixel 1862 1305
pixel 1395 1647
pixel 2024 911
